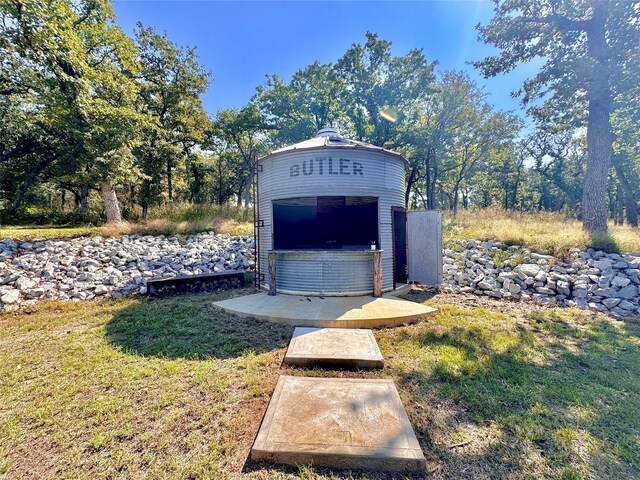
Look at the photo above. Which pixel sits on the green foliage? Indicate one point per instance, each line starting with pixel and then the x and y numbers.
pixel 462 148
pixel 311 101
pixel 239 137
pixel 382 89
pixel 68 92
pixel 191 213
pixel 41 216
pixel 82 104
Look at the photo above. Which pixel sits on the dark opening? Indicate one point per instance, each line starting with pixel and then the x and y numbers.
pixel 325 223
pixel 399 220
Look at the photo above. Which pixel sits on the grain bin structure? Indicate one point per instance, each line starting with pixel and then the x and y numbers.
pixel 325 209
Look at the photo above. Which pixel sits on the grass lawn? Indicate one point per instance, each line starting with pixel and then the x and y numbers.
pixel 175 389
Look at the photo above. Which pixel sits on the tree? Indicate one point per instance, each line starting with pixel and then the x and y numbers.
pixel 585 46
pixel 559 157
pixel 67 92
pixel 487 142
pixel 241 132
pixel 310 102
pixel 626 157
pixel 171 82
pixel 381 89
pixel 456 105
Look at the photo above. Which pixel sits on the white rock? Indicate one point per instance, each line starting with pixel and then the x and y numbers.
pixel 12 296
pixel 24 283
pixel 627 292
pixel 619 281
pixel 611 302
pixel 603 264
pixel 529 269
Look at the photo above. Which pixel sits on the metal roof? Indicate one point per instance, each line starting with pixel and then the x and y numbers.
pixel 330 138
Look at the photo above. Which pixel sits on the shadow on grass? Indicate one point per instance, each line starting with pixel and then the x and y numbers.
pixel 564 395
pixel 604 241
pixel 189 326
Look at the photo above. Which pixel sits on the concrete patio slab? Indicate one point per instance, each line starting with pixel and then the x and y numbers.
pixel 338 347
pixel 340 423
pixel 337 312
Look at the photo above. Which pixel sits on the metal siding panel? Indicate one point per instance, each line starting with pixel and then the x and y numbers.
pixel 425 246
pixel 325 273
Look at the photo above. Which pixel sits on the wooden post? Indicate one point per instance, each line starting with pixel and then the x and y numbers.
pixel 272 273
pixel 377 273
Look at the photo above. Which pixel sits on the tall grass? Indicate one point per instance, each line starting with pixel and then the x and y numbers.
pixel 186 218
pixel 180 218
pixel 549 231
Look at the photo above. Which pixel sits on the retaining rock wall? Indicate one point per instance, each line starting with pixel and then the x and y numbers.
pixel 607 282
pixel 85 268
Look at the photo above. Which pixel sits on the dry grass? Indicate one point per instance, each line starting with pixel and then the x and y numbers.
pixel 549 231
pixel 176 389
pixel 167 220
pixel 171 227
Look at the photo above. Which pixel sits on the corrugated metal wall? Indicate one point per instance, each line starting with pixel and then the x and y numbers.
pixel 362 173
pixel 325 273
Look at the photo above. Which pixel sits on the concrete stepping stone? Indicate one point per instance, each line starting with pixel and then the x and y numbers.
pixel 338 347
pixel 344 423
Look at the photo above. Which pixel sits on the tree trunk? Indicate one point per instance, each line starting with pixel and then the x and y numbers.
pixel 427 176
pixel 219 182
pixel 247 188
pixel 76 198
pixel 599 137
pixel 169 180
pixel 629 198
pixel 63 199
pixel 247 192
pixel 111 205
pixel 410 181
pixel 240 191
pixel 84 200
pixel 619 213
pixel 132 197
pixel 456 193
pixel 197 184
pixel 516 187
pixel 144 198
pixel 431 194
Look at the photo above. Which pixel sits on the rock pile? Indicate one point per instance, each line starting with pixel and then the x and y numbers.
pixel 607 282
pixel 85 268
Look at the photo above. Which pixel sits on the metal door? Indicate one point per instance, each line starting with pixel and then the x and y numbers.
pixel 399 228
pixel 424 241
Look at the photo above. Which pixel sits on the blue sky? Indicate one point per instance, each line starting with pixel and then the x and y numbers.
pixel 242 41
